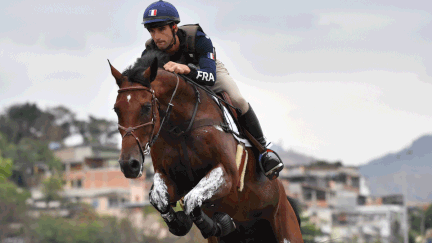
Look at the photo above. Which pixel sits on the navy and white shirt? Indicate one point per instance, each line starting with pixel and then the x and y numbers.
pixel 204 58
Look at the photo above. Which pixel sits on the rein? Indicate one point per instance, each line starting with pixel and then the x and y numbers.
pixel 130 130
pixel 210 92
pixel 176 130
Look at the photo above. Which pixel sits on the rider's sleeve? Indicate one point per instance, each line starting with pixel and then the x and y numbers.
pixel 206 74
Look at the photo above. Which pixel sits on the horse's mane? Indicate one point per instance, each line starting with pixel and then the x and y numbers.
pixel 135 72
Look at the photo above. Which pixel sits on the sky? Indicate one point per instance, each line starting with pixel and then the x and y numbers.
pixel 337 80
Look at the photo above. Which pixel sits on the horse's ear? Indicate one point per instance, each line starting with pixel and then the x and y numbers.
pixel 151 72
pixel 117 75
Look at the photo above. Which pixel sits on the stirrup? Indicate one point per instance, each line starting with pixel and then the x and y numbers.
pixel 271 164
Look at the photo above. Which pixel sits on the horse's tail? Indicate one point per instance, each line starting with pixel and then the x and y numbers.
pixel 295 205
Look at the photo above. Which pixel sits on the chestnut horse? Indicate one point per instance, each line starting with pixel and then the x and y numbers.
pixel 197 162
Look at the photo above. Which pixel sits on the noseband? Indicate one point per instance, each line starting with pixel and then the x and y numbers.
pixel 130 130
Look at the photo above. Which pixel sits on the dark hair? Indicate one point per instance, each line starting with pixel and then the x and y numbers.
pixel 135 71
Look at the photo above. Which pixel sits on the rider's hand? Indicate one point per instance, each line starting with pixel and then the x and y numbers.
pixel 177 68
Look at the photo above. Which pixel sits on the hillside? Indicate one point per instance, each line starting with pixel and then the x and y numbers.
pixel 290 157
pixel 387 174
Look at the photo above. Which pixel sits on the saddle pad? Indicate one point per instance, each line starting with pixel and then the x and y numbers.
pixel 232 126
pixel 241 161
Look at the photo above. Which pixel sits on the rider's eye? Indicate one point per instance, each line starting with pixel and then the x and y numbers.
pixel 145 109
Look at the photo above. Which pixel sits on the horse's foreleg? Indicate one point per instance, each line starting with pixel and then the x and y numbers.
pixel 216 184
pixel 178 223
pixel 159 194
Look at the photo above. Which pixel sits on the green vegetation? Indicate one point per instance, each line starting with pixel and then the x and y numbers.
pixel 12 200
pixel 25 135
pixel 309 230
pixel 51 188
pixel 26 131
pixel 84 227
pixel 420 222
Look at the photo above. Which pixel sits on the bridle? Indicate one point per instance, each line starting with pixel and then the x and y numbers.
pixel 130 130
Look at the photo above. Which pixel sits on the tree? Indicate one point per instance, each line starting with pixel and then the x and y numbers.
pixel 84 226
pixel 28 121
pixel 5 168
pixel 52 186
pixel 12 199
pixel 20 122
pixel 428 218
pixel 30 152
pixel 309 230
pixel 63 123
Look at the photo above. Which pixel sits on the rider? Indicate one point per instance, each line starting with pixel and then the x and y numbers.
pixel 191 53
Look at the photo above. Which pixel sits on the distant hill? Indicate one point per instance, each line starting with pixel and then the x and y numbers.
pixel 289 157
pixel 386 175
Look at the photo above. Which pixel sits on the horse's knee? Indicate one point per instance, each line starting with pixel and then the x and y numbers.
pixel 158 195
pixel 215 184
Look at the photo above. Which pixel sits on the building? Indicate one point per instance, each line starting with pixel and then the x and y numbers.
pixel 325 185
pixel 383 223
pixel 93 175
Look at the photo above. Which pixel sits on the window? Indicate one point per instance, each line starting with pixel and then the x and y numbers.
pixel 79 183
pixel 113 202
pixel 95 203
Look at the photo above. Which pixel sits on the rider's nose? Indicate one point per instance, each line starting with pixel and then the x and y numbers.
pixel 134 165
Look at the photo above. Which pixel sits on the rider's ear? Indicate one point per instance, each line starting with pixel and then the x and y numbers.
pixel 151 72
pixel 117 75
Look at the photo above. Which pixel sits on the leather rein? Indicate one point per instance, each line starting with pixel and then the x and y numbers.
pixel 130 130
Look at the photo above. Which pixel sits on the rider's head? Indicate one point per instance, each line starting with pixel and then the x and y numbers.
pixel 161 19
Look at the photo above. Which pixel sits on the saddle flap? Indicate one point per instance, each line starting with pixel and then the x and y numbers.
pixel 224 95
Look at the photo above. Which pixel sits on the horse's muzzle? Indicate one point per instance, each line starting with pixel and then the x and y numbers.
pixel 131 168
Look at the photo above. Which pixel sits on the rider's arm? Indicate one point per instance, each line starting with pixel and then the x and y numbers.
pixel 206 74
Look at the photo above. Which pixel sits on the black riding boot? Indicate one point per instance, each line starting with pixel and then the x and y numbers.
pixel 269 161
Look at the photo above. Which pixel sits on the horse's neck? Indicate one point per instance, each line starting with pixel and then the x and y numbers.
pixel 184 101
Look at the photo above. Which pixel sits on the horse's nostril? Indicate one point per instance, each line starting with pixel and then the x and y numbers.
pixel 134 164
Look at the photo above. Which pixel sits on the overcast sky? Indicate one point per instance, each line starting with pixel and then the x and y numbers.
pixel 337 80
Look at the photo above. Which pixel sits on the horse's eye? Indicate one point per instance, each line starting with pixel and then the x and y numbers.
pixel 145 109
pixel 116 110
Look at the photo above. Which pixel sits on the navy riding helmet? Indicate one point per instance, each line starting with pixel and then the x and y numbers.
pixel 160 13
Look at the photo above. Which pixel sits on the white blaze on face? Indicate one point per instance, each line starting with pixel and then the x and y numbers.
pixel 205 189
pixel 129 97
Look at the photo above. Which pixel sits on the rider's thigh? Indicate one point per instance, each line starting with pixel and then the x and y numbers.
pixel 224 82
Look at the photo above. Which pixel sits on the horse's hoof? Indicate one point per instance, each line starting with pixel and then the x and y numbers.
pixel 182 224
pixel 225 222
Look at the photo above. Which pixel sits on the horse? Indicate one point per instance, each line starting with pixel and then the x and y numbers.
pixel 194 161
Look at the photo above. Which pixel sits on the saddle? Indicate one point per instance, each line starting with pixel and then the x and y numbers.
pixel 235 114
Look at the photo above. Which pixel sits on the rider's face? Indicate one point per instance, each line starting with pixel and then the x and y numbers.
pixel 162 36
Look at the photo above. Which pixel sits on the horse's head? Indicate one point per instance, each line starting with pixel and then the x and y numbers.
pixel 138 118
